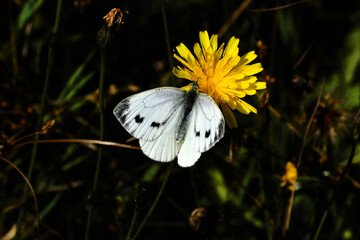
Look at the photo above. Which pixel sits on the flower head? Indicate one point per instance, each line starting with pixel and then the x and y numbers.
pixel 221 73
pixel 289 177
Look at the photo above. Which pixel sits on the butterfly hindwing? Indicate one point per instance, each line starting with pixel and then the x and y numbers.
pixel 205 129
pixel 188 155
pixel 209 124
pixel 146 114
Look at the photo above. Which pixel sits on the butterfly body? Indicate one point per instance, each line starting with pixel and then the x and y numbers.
pixel 190 98
pixel 172 122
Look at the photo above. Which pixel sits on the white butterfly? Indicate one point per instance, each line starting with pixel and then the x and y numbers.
pixel 172 122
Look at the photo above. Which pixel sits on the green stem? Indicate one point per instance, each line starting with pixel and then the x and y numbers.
pixel 155 201
pixel 318 230
pixel 51 56
pixel 167 39
pixel 133 220
pixel 103 63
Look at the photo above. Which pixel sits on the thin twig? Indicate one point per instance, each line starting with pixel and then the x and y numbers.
pixel 277 8
pixel 84 141
pixel 307 130
pixel 303 55
pixel 233 17
pixel 23 137
pixel 31 189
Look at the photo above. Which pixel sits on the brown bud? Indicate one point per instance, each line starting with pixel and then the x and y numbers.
pixel 107 34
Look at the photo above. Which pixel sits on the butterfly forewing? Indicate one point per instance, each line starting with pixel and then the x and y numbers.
pixel 146 114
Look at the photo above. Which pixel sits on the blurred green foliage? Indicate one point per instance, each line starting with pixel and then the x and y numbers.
pixel 236 185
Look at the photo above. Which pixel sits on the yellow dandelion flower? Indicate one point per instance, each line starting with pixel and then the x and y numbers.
pixel 289 177
pixel 221 73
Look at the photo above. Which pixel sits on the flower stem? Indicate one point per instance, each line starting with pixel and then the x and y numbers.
pixel 103 64
pixel 155 202
pixel 49 67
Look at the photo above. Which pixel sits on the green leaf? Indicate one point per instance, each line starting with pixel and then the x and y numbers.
pixel 50 206
pixel 219 185
pixel 28 11
pixel 352 60
pixel 151 173
pixel 250 216
pixel 352 97
pixel 73 85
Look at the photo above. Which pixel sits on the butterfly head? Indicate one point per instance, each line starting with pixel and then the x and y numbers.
pixel 194 86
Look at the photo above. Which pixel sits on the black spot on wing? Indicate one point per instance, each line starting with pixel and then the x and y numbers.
pixel 120 110
pixel 123 118
pixel 221 127
pixel 155 124
pixel 220 131
pixel 207 133
pixel 139 119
